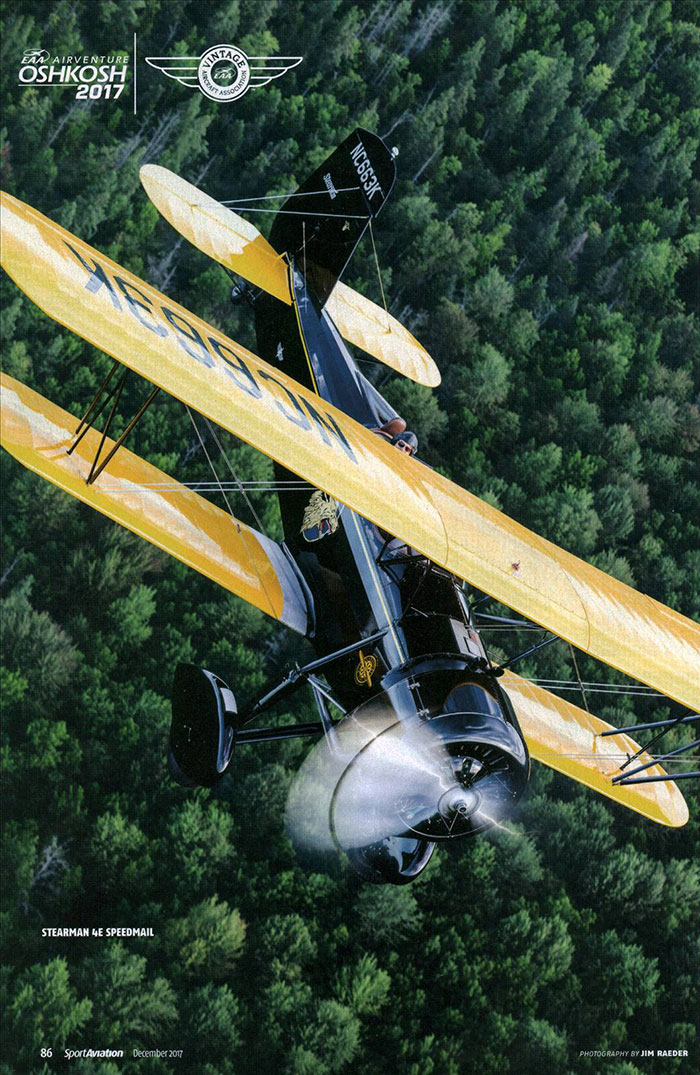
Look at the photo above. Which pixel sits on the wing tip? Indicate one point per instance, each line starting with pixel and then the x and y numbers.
pixel 433 377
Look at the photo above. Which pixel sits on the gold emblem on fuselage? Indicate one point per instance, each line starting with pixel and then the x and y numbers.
pixel 366 668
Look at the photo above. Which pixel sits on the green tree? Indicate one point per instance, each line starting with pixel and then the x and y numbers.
pixel 133 1005
pixel 43 1006
pixel 364 988
pixel 207 942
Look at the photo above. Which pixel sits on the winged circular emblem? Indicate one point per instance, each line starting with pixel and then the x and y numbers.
pixel 224 72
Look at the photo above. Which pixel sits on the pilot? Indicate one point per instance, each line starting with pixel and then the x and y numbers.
pixel 406 442
pixel 396 433
pixel 323 511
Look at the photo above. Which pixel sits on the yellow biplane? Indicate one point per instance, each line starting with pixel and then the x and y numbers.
pixel 422 738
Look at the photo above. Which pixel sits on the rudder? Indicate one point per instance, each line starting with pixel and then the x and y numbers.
pixel 321 224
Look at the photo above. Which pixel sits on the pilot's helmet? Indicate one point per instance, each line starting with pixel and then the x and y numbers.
pixel 406 442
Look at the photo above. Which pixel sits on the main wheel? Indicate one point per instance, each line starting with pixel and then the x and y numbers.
pixel 202 731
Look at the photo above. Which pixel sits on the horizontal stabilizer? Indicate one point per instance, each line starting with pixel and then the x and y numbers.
pixel 374 330
pixel 567 738
pixel 152 505
pixel 239 246
pixel 223 235
pixel 197 364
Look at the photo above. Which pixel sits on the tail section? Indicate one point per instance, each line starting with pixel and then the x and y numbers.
pixel 321 224
pixel 239 246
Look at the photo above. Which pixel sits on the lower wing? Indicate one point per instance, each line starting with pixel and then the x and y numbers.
pixel 568 739
pixel 152 505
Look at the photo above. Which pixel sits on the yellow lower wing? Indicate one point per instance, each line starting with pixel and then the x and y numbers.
pixel 152 505
pixel 566 738
pixel 162 341
pixel 238 245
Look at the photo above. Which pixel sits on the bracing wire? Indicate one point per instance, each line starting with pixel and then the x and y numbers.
pixel 211 464
pixel 297 212
pixel 234 475
pixel 379 275
pixel 297 194
pixel 235 521
pixel 238 203
pixel 220 486
pixel 578 679
pixel 598 688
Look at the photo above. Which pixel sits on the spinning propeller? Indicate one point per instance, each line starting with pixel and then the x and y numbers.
pixel 388 785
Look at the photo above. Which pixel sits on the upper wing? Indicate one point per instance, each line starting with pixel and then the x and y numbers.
pixel 147 501
pixel 238 245
pixel 181 68
pixel 264 68
pixel 566 738
pixel 172 348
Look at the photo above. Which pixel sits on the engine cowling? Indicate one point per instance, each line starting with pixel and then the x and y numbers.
pixel 436 755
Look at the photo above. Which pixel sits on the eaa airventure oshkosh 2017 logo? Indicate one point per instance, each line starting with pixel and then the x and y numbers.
pixel 224 72
pixel 93 76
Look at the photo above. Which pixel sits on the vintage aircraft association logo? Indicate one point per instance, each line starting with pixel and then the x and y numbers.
pixel 224 72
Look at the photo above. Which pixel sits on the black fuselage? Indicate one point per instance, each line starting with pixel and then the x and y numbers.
pixel 362 579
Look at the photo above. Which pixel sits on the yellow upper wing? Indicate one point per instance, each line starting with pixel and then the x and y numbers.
pixel 238 245
pixel 171 347
pixel 152 505
pixel 566 738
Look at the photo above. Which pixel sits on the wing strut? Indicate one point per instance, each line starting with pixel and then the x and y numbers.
pixel 95 410
pixel 626 778
pixel 653 724
pixel 527 652
pixel 656 779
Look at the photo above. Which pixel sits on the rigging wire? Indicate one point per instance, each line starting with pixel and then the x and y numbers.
pixel 578 678
pixel 381 284
pixel 236 203
pixel 299 212
pixel 209 461
pixel 604 688
pixel 241 530
pixel 213 487
pixel 234 475
pixel 589 723
pixel 591 684
pixel 272 197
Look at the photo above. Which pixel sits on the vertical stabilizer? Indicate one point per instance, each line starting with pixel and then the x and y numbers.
pixel 321 224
